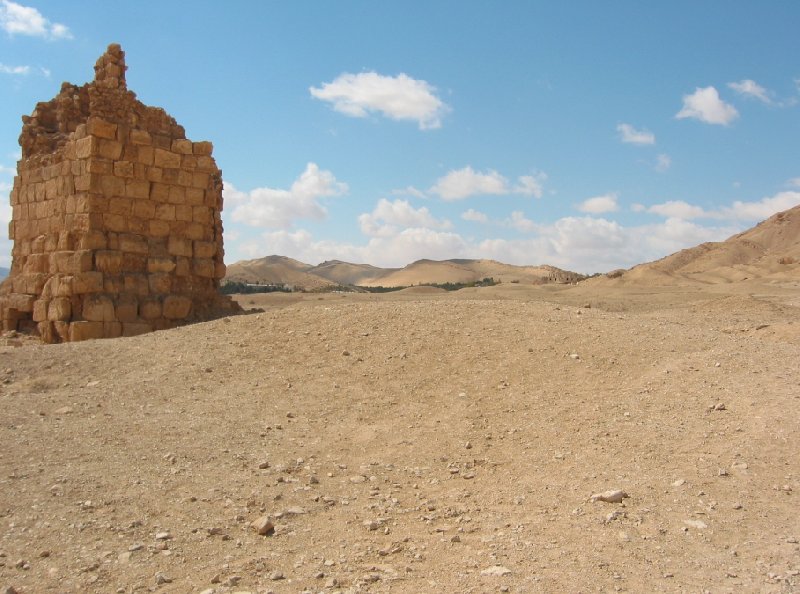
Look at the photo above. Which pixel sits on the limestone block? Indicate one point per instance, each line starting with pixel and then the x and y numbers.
pixel 112 329
pixel 136 328
pixel 137 225
pixel 46 331
pixel 195 196
pixel 183 266
pixel 136 244
pixel 109 149
pixel 127 308
pixel 120 205
pixel 108 261
pixel 160 265
pixel 137 284
pixel 32 283
pixel 140 137
pixel 160 283
pixel 150 309
pixel 166 158
pixel 200 180
pixel 137 189
pixel 40 307
pixel 134 262
pixel 158 228
pixel 159 192
pixel 85 331
pixel 195 231
pixel 84 148
pixel 170 176
pixel 21 302
pixel 87 282
pixel 145 155
pixel 220 270
pixel 203 147
pixel 59 308
pixel 36 263
pixel 101 128
pixel 183 212
pixel 204 249
pixel 71 261
pixel 123 168
pixel 115 222
pixel 100 167
pixel 145 209
pixel 109 185
pixel 177 307
pixel 203 268
pixel 92 240
pixel 162 141
pixel 185 177
pixel 178 246
pixel 98 308
pixel 177 194
pixel 182 146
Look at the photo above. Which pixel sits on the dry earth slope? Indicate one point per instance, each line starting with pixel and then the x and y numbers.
pixel 448 443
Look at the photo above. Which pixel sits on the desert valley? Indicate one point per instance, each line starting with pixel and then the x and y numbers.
pixel 633 432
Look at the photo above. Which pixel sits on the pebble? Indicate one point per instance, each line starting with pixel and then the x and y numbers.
pixel 162 579
pixel 276 575
pixel 574 356
pixel 614 496
pixel 263 465
pixel 679 483
pixel 163 535
pixel 263 526
pixel 496 571
pixel 699 524
pixel 64 410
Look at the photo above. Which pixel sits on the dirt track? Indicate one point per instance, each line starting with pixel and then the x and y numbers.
pixel 414 443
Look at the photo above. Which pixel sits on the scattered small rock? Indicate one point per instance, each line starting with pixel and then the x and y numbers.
pixel 276 575
pixel 699 524
pixel 615 496
pixel 163 535
pixel 496 571
pixel 263 526
pixel 162 578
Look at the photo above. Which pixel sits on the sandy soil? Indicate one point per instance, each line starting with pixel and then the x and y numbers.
pixel 415 442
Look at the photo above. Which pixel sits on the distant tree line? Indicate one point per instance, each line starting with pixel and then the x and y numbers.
pixel 232 287
pixel 486 282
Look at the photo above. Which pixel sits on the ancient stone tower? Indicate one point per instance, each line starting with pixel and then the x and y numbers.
pixel 116 217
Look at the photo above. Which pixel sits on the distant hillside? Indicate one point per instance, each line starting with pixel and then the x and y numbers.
pixel 771 249
pixel 3 272
pixel 286 271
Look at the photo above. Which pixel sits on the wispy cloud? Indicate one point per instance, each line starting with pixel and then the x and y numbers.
pixel 663 162
pixel 750 88
pixel 16 19
pixel 409 191
pixel 462 183
pixel 600 204
pixel 705 105
pixel 17 70
pixel 397 97
pixel 475 216
pixel 279 208
pixel 631 135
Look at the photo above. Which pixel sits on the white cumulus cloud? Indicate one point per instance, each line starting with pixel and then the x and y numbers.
pixel 520 222
pixel 760 209
pixel 16 19
pixel 631 135
pixel 599 204
pixel 462 183
pixel 397 97
pixel 387 218
pixel 475 216
pixel 678 209
pixel 750 88
pixel 278 208
pixel 705 105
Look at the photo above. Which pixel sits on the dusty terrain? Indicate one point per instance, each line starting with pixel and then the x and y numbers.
pixel 415 442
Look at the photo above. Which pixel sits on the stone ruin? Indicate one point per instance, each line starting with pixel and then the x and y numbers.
pixel 116 217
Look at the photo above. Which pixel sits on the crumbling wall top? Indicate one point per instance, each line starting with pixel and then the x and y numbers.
pixel 109 71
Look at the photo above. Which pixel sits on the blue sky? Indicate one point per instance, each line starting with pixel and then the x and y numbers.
pixel 585 135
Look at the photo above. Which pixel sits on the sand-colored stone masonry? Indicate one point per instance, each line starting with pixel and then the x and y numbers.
pixel 115 217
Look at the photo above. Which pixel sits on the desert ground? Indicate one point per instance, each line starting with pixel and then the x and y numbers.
pixel 417 441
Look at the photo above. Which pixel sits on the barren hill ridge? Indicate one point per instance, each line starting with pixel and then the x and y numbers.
pixel 770 250
pixel 283 270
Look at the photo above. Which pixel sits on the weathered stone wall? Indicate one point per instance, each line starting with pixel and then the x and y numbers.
pixel 116 217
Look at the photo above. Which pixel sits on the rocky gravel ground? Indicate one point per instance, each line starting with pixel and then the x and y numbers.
pixel 412 443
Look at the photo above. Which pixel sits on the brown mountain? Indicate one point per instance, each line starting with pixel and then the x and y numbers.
pixel 283 270
pixel 770 250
